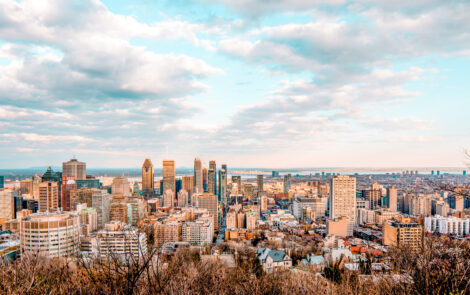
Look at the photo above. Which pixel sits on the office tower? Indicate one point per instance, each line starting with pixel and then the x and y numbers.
pixel 213 166
pixel 7 204
pixel 51 234
pixel 211 181
pixel 404 233
pixel 80 196
pixel 420 205
pixel 168 199
pixel 188 184
pixel 205 179
pixel 374 196
pixel 148 182
pixel 343 199
pixel 287 183
pixel 48 196
pixel 121 186
pixel 74 169
pixel 101 201
pixel 211 203
pixel 136 210
pixel 118 240
pixel 198 176
pixel 118 212
pixel 224 166
pixel 392 198
pixel 237 179
pixel 223 186
pixel 183 198
pixel 241 220
pixel 26 186
pixel 259 180
pixel 178 185
pixel 68 185
pixel 169 179
pixel 2 181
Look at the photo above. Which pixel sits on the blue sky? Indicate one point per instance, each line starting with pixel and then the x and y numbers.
pixel 296 83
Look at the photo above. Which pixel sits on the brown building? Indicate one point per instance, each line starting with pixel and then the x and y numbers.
pixel 74 169
pixel 169 176
pixel 118 212
pixel 48 196
pixel 188 184
pixel 403 233
pixel 83 195
pixel 68 185
pixel 148 184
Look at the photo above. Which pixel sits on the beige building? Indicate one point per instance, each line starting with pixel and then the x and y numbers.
pixel 7 204
pixel 118 212
pixel 264 202
pixel 48 196
pixel 188 184
pixel 52 234
pixel 198 176
pixel 169 176
pixel 121 186
pixel 168 199
pixel 83 195
pixel 167 232
pixel 343 200
pixel 211 203
pixel 392 194
pixel 121 241
pixel 183 198
pixel 74 169
pixel 148 184
pixel 338 227
pixel 403 233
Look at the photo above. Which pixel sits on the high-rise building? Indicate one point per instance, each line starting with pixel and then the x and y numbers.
pixel 165 232
pixel 205 177
pixel 211 181
pixel 74 169
pixel 183 199
pixel 101 201
pixel 119 240
pixel 7 204
pixel 118 212
pixel 68 185
pixel 343 199
pixel 168 198
pixel 148 183
pixel 80 196
pixel 198 176
pixel 2 181
pixel 121 186
pixel 51 234
pixel 213 166
pixel 287 183
pixel 188 184
pixel 237 179
pixel 169 179
pixel 211 203
pixel 223 186
pixel 198 232
pixel 259 179
pixel 48 196
pixel 264 201
pixel 392 198
pixel 374 196
pixel 404 234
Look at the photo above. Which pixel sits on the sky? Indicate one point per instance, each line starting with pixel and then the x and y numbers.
pixel 299 83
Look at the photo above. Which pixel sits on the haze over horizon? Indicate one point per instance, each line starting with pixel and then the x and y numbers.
pixel 248 83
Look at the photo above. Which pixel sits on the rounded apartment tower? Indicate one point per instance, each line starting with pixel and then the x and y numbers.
pixel 51 234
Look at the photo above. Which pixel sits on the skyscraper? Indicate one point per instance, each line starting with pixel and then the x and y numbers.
pixel 213 166
pixel 223 186
pixel 287 183
pixel 211 203
pixel 211 181
pixel 48 196
pixel 68 185
pixel 259 179
pixel 343 200
pixel 169 176
pixel 74 168
pixel 188 184
pixel 121 186
pixel 392 198
pixel 198 176
pixel 204 179
pixel 148 184
pixel 7 204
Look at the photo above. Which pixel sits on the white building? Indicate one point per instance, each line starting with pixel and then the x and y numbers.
pixel 120 240
pixel 316 205
pixel 343 200
pixel 447 225
pixel 51 234
pixel 198 232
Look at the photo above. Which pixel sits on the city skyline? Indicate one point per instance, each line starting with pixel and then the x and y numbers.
pixel 277 84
